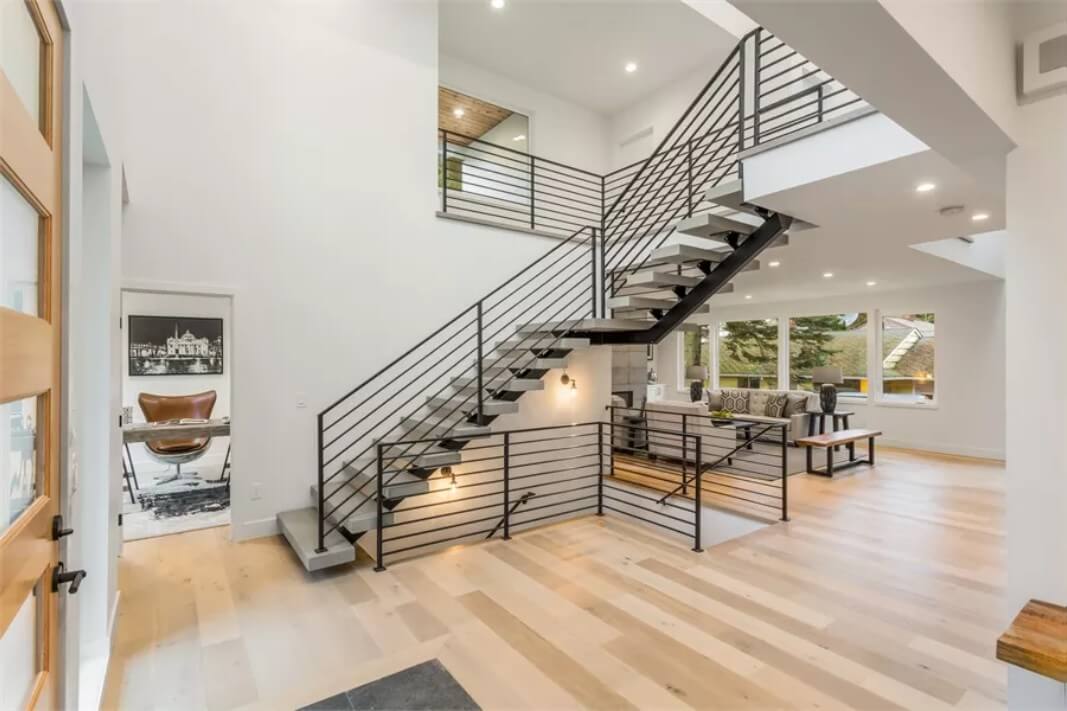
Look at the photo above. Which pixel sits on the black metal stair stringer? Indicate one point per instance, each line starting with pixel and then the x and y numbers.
pixel 765 235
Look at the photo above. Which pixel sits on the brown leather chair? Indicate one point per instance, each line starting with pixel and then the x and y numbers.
pixel 164 408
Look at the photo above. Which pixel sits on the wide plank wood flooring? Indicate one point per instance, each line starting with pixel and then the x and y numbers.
pixel 884 591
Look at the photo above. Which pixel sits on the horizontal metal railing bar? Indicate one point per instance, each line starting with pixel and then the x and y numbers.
pixel 518 152
pixel 608 487
pixel 765 52
pixel 813 89
pixel 437 542
pixel 772 506
pixel 499 443
pixel 687 534
pixel 818 118
pixel 523 175
pixel 526 510
pixel 738 468
pixel 573 467
pixel 766 80
pixel 791 82
pixel 434 517
pixel 711 480
pixel 540 188
pixel 490 202
pixel 764 66
pixel 655 499
pixel 527 522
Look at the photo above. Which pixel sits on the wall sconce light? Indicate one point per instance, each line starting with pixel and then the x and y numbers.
pixel 568 380
pixel 447 471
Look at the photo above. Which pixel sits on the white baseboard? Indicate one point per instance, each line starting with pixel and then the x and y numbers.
pixel 93 674
pixel 254 529
pixel 942 448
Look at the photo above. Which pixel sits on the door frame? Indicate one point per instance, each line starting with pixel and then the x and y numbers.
pixel 31 347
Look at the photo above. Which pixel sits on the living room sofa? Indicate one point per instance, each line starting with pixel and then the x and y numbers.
pixel 798 403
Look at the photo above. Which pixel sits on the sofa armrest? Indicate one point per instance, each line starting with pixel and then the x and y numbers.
pixel 798 426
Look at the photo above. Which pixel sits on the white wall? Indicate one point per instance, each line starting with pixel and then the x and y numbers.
pixel 256 163
pixel 559 130
pixel 147 303
pixel 1037 380
pixel 635 132
pixel 969 415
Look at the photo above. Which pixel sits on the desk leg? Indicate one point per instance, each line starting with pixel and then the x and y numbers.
pixel 829 461
pixel 133 472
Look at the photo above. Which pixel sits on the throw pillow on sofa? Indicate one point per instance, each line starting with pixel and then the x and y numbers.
pixel 714 400
pixel 795 405
pixel 735 400
pixel 776 405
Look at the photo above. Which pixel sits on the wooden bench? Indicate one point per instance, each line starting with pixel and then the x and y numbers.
pixel 831 440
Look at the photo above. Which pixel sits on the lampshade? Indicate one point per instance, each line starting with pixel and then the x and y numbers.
pixel 696 372
pixel 827 374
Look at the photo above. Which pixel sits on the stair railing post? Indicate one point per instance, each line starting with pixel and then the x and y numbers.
pixel 603 276
pixel 697 506
pixel 685 453
pixel 593 271
pixel 819 105
pixel 444 171
pixel 533 221
pixel 322 495
pixel 481 393
pixel 689 178
pixel 742 86
pixel 380 544
pixel 507 486
pixel 785 475
pixel 600 469
pixel 756 71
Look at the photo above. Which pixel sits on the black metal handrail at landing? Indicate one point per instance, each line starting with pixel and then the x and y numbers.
pixel 744 462
pixel 562 471
pixel 608 225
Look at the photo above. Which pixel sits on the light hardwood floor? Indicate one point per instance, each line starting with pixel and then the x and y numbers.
pixel 883 592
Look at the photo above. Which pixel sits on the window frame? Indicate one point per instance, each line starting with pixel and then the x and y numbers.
pixel 880 396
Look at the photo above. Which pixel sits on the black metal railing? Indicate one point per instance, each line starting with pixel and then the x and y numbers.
pixel 558 472
pixel 609 225
pixel 746 463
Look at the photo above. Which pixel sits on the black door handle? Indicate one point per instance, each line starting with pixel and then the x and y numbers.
pixel 57 528
pixel 60 576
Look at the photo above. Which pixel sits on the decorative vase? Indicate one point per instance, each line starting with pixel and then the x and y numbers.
pixel 828 398
pixel 696 390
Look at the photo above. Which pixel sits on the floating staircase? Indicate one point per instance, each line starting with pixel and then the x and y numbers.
pixel 673 231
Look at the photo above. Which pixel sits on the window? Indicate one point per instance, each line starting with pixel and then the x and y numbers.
pixel 696 351
pixel 834 340
pixel 908 348
pixel 748 354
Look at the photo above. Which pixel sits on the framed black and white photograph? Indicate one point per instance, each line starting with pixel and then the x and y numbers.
pixel 175 345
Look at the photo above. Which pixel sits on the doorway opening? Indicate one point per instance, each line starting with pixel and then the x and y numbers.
pixel 176 381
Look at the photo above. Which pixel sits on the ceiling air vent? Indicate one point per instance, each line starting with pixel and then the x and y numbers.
pixel 1044 62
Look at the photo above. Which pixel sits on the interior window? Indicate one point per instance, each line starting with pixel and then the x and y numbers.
pixel 909 346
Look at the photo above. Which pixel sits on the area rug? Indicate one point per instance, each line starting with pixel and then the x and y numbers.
pixel 187 504
pixel 423 687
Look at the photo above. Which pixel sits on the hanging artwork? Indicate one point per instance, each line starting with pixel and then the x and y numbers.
pixel 175 345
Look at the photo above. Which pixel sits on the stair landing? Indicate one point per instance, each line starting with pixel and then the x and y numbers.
pixel 300 528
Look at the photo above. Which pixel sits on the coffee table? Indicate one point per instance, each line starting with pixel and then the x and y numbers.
pixel 742 426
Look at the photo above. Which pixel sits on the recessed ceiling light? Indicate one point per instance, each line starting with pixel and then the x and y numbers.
pixel 979 216
pixel 520 137
pixel 748 296
pixel 827 275
pixel 630 67
pixel 497 4
pixel 872 283
pixel 925 187
pixel 458 112
pixel 774 264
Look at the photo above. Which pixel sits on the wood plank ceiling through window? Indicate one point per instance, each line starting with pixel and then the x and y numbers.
pixel 478 116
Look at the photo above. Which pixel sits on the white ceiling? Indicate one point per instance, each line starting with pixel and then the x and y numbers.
pixel 576 49
pixel 868 220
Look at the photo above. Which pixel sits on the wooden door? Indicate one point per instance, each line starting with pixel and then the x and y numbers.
pixel 30 208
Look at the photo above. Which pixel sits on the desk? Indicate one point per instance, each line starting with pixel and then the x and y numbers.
pixel 151 431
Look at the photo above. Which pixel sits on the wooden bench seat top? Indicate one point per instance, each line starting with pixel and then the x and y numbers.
pixel 831 439
pixel 1037 640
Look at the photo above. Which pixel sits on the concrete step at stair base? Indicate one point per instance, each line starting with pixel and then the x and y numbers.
pixel 301 528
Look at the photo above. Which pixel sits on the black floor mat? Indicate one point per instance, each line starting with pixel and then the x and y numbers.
pixel 424 687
